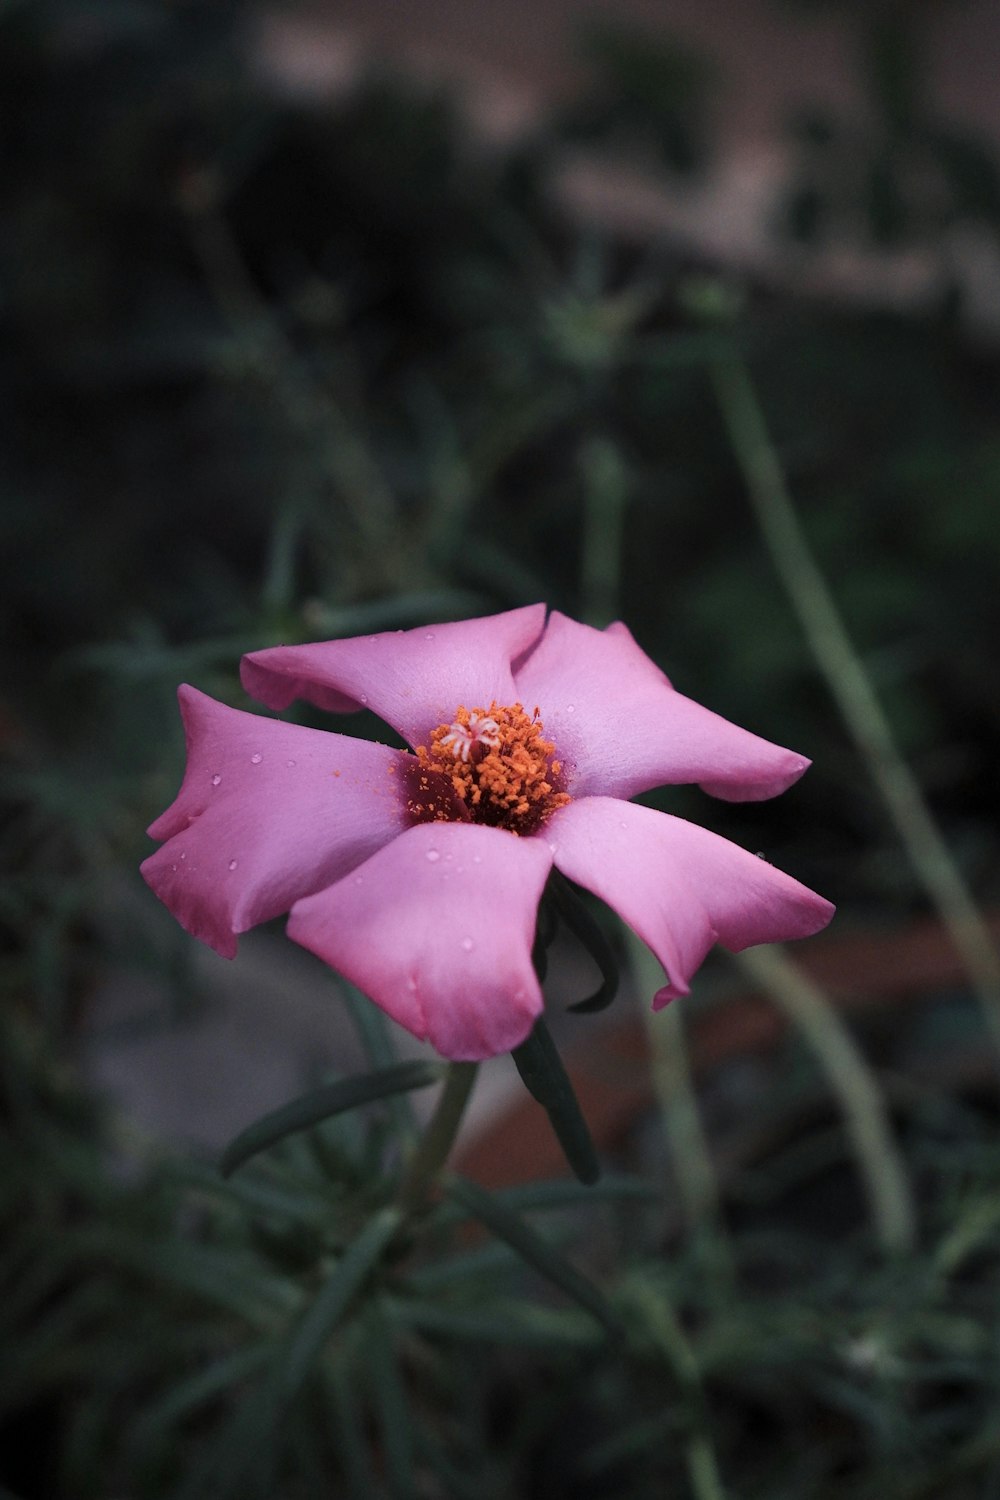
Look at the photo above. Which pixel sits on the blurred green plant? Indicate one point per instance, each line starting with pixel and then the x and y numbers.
pixel 274 372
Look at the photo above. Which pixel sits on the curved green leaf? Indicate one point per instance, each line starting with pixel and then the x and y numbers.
pixel 532 1248
pixel 334 1298
pixel 545 1078
pixel 590 933
pixel 320 1104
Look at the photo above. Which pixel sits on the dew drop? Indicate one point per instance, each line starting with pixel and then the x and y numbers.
pixel 372 639
pixel 449 855
pixel 429 636
pixel 232 864
pixel 290 763
pixel 174 868
pixel 256 758
pixel 216 779
pixel 364 698
pixel 467 944
pixel 571 708
pixel 183 854
pixel 359 880
pixel 432 856
pixel 477 859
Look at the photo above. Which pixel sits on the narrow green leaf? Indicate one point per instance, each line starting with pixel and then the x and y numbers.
pixel 532 1248
pixel 344 1402
pixel 590 933
pixel 504 1323
pixel 485 1263
pixel 230 1279
pixel 320 1104
pixel 373 1028
pixel 334 1298
pixel 545 1078
pixel 260 1194
pixel 532 1196
pixel 546 926
pixel 529 1197
pixel 392 1411
pixel 198 1389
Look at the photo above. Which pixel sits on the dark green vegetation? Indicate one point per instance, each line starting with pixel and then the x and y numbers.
pixel 272 374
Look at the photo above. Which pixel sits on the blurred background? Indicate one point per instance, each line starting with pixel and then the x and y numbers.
pixel 320 319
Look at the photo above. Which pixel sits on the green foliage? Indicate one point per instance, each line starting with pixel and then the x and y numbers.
pixel 276 373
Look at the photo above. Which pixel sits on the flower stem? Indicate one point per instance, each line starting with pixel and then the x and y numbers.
pixel 851 688
pixel 881 1165
pixel 677 1099
pixel 603 537
pixel 662 1325
pixel 434 1146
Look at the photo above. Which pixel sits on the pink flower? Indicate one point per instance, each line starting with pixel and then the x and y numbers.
pixel 417 874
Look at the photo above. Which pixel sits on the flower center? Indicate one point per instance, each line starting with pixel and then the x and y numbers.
pixel 499 764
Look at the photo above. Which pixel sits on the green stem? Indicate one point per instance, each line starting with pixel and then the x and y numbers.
pixel 434 1146
pixel 675 1093
pixel 703 1468
pixel 600 585
pixel 881 1165
pixel 848 682
pixel 663 1326
pixel 605 502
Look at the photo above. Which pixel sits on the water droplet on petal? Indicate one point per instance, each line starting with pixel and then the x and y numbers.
pixel 290 763
pixel 232 864
pixel 216 779
pixel 571 708
pixel 256 758
pixel 174 868
pixel 359 880
pixel 432 856
pixel 363 698
pixel 468 944
pixel 449 855
pixel 477 859
pixel 429 636
pixel 183 854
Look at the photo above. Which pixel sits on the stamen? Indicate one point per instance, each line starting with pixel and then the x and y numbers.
pixel 499 764
pixel 470 730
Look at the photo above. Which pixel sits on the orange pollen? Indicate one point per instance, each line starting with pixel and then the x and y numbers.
pixel 500 764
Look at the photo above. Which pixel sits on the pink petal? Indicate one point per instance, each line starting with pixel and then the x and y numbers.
pixel 413 679
pixel 620 728
pixel 678 886
pixel 437 929
pixel 267 812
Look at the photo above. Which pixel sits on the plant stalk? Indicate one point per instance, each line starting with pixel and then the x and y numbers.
pixel 879 1160
pixel 434 1146
pixel 850 685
